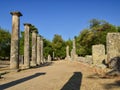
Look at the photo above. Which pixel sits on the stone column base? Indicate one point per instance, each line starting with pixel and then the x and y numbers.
pixel 33 64
pixel 25 67
pixel 67 58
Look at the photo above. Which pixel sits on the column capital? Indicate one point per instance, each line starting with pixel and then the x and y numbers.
pixel 27 24
pixel 35 31
pixel 38 35
pixel 16 13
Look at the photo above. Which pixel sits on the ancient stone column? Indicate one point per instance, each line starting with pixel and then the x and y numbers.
pixel 34 48
pixel 27 46
pixel 113 45
pixel 67 53
pixel 74 50
pixel 42 58
pixel 72 56
pixel 49 58
pixel 53 55
pixel 38 50
pixel 98 54
pixel 14 54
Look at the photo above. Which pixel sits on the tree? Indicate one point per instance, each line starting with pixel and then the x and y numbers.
pixel 47 48
pixel 58 45
pixel 5 38
pixel 95 34
pixel 69 42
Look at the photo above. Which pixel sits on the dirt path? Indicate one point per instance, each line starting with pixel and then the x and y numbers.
pixel 59 75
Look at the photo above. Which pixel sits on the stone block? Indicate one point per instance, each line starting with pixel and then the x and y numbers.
pixel 113 45
pixel 98 54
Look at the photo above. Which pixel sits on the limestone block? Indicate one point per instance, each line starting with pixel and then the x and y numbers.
pixel 98 54
pixel 113 45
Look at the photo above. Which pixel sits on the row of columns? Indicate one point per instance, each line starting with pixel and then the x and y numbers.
pixel 37 44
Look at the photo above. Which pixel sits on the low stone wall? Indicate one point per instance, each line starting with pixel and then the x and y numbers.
pixel 4 62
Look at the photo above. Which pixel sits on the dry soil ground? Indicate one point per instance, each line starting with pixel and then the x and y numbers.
pixel 58 75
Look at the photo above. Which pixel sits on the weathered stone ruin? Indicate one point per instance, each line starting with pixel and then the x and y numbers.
pixel 98 54
pixel 41 44
pixel 113 53
pixel 73 51
pixel 14 54
pixel 113 45
pixel 38 50
pixel 34 48
pixel 49 58
pixel 67 53
pixel 114 64
pixel 27 46
pixel 37 46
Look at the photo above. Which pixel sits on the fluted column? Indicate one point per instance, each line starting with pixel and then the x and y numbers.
pixel 42 59
pixel 14 53
pixel 38 50
pixel 34 48
pixel 27 45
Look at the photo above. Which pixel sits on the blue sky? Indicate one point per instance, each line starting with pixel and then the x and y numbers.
pixel 64 17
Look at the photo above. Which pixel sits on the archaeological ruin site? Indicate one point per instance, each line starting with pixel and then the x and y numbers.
pixel 35 71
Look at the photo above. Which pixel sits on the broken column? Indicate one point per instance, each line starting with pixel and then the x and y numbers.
pixel 27 46
pixel 67 53
pixel 113 45
pixel 14 54
pixel 49 58
pixel 98 54
pixel 38 50
pixel 34 48
pixel 74 51
pixel 72 56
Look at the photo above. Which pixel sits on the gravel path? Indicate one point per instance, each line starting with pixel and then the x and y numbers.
pixel 58 75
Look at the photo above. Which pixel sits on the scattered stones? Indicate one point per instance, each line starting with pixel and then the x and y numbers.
pixel 114 64
pixel 88 59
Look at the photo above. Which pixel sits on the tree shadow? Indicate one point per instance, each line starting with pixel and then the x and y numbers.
pixel 74 82
pixel 109 86
pixel 13 83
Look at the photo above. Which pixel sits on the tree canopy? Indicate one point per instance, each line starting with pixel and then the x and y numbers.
pixel 95 34
pixel 5 38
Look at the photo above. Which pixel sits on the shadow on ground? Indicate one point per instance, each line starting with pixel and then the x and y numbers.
pixel 110 86
pixel 13 83
pixel 43 65
pixel 46 64
pixel 74 82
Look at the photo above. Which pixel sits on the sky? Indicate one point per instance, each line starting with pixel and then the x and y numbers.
pixel 63 17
